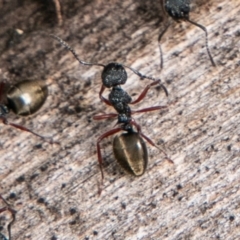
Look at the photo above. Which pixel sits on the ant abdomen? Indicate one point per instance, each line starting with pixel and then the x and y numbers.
pixel 131 153
pixel 23 98
pixel 27 97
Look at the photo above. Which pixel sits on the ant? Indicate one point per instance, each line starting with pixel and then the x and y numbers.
pixel 179 10
pixel 23 98
pixel 13 213
pixel 129 148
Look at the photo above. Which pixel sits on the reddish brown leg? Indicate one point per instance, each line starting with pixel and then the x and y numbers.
pixel 149 109
pixel 113 115
pixel 12 211
pixel 144 92
pixel 153 144
pixel 105 116
pixel 103 98
pixel 5 121
pixel 104 135
pixel 149 140
pixel 1 90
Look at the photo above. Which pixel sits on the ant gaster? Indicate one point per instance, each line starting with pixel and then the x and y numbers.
pixel 13 213
pixel 129 148
pixel 179 10
pixel 23 98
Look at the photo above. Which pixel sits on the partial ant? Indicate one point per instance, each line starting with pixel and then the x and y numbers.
pixel 23 98
pixel 13 213
pixel 129 148
pixel 179 10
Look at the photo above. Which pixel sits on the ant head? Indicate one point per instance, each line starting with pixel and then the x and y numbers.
pixel 114 74
pixel 178 9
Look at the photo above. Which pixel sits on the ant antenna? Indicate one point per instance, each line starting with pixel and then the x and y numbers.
pixel 62 42
pixel 150 78
pixel 159 45
pixel 206 39
pixel 73 52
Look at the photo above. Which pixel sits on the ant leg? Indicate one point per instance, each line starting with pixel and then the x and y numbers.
pixel 150 141
pixel 139 130
pixel 206 39
pixel 153 144
pixel 103 98
pixel 159 45
pixel 105 116
pixel 144 92
pixel 1 90
pixel 149 109
pixel 12 211
pixel 104 135
pixel 5 121
pixel 58 12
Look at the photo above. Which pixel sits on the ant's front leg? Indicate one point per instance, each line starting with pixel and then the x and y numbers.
pixel 144 92
pixel 103 98
pixel 105 116
pixel 149 109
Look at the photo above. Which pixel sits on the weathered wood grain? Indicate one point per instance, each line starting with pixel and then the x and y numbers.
pixel 54 188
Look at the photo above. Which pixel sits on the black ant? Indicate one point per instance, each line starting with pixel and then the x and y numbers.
pixel 179 10
pixel 23 98
pixel 13 213
pixel 129 148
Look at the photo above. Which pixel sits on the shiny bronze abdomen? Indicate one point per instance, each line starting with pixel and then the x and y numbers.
pixel 131 153
pixel 27 97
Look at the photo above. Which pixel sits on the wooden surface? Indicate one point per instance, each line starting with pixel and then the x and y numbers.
pixel 54 188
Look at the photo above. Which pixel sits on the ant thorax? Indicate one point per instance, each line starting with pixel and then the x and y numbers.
pixel 120 100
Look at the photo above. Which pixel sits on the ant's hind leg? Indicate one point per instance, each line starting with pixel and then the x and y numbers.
pixel 5 121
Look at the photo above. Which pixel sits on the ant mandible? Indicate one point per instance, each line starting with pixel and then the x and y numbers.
pixel 179 10
pixel 23 98
pixel 129 148
pixel 13 213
